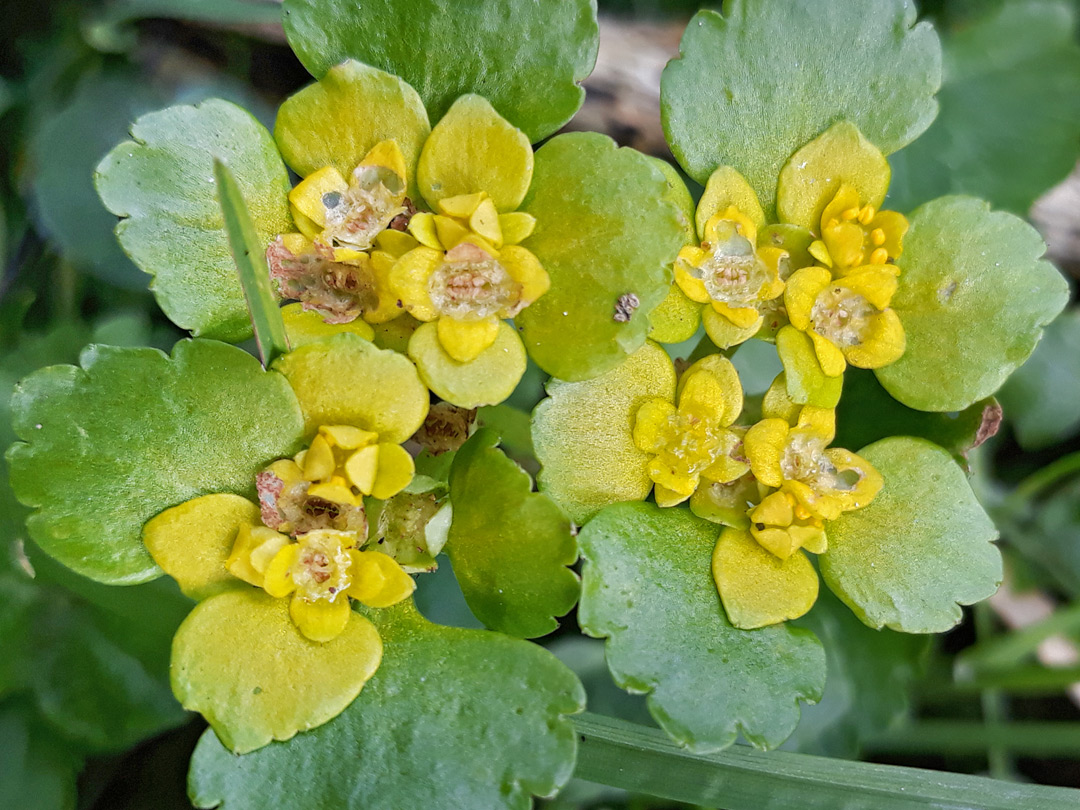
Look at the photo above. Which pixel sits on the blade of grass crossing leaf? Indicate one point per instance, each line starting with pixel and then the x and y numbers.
pixel 249 254
pixel 645 760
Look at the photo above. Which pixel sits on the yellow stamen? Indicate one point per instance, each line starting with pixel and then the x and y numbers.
pixel 866 216
pixel 877 236
pixel 879 256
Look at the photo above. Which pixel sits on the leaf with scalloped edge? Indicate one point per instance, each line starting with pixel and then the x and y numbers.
pixel 753 85
pixel 921 549
pixel 108 445
pixel 870 675
pixel 867 413
pixel 452 719
pixel 1009 127
pixel 583 434
pixel 446 50
pixel 161 183
pixel 509 545
pixel 605 230
pixel 647 586
pixel 973 296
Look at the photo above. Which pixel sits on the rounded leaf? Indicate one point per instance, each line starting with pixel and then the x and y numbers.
pixel 812 176
pixel 336 121
pixel 1010 110
pixel 646 586
pixel 756 587
pixel 161 184
pixel 132 432
pixel 418 735
pixel 510 546
pixel 973 298
pixel 241 662
pixel 192 541
pixel 922 548
pixel 447 51
pixel 751 87
pixel 606 230
pixel 304 326
pixel 487 379
pixel 472 149
pixel 584 434
pixel 346 380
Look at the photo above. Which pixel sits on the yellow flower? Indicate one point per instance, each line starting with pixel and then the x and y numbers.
pixel 797 460
pixel 468 272
pixel 777 525
pixel 350 233
pixel 693 441
pixel 322 571
pixel 854 234
pixel 729 271
pixel 317 497
pixel 848 319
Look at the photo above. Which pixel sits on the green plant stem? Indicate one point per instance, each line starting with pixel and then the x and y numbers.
pixel 1040 480
pixel 1026 680
pixel 645 760
pixel 974 737
pixel 994 708
pixel 1006 651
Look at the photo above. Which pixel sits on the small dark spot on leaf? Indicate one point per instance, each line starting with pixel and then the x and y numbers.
pixel 625 306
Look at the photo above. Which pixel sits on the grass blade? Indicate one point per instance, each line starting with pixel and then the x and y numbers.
pixel 249 253
pixel 625 755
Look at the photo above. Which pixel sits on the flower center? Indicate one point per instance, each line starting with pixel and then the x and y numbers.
pixel 804 460
pixel 341 292
pixel 472 285
pixel 691 445
pixel 322 567
pixel 732 273
pixel 841 316
pixel 354 217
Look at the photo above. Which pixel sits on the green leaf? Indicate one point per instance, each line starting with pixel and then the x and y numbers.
pixel 642 759
pixel 161 183
pixel 648 588
pixel 509 546
pixel 1010 111
pixel 776 75
pixel 447 51
pixel 973 298
pixel 1042 398
pixel 1051 536
pixel 37 770
pixel 417 736
pixel 94 689
pixel 922 548
pixel 583 434
pixel 346 380
pixel 867 413
pixel 336 121
pixel 249 254
pixel 866 689
pixel 132 432
pixel 64 148
pixel 240 661
pixel 604 229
